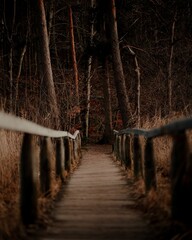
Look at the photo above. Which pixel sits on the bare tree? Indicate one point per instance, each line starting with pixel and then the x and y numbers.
pixel 117 66
pixel 73 51
pixel 170 80
pixel 89 77
pixel 45 60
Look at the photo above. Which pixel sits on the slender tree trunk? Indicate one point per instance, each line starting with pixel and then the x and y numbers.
pixel 76 77
pixel 118 68
pixel 10 38
pixel 170 80
pixel 88 96
pixel 50 17
pixel 89 78
pixel 45 60
pixel 107 136
pixel 137 70
pixel 18 77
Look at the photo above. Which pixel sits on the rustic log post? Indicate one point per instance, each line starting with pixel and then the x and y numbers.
pixel 117 154
pixel 115 147
pixel 76 149
pixel 123 137
pixel 127 152
pixel 72 150
pixel 29 181
pixel 149 166
pixel 119 147
pixel 45 165
pixel 60 159
pixel 67 155
pixel 79 146
pixel 181 179
pixel 136 156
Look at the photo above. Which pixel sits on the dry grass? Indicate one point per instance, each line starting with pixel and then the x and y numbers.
pixel 10 144
pixel 10 222
pixel 157 203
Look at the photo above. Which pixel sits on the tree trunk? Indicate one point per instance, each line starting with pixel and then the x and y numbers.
pixel 76 77
pixel 50 17
pixel 137 70
pixel 118 68
pixel 45 60
pixel 89 78
pixel 170 80
pixel 107 137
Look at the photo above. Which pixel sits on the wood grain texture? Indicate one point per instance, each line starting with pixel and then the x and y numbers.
pixel 96 204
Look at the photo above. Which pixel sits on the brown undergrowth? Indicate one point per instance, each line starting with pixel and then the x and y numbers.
pixel 157 204
pixel 11 226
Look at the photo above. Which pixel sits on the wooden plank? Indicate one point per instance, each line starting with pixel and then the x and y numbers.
pixel 96 204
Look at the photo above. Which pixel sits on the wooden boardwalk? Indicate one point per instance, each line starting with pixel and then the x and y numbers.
pixel 96 204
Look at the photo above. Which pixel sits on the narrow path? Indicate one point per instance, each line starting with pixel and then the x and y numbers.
pixel 96 204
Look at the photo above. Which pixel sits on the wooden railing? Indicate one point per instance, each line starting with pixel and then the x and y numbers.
pixel 127 149
pixel 36 168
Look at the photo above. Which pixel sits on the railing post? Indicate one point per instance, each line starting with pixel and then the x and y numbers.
pixel 149 166
pixel 119 148
pixel 117 153
pixel 67 154
pixel 116 147
pixel 136 156
pixel 72 150
pixel 79 145
pixel 60 159
pixel 76 149
pixel 127 152
pixel 181 179
pixel 45 165
pixel 123 149
pixel 29 181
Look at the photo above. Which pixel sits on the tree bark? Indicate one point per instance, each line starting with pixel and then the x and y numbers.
pixel 107 136
pixel 45 60
pixel 76 77
pixel 117 66
pixel 89 78
pixel 170 80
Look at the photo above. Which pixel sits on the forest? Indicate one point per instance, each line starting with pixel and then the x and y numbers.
pixel 78 81
pixel 94 66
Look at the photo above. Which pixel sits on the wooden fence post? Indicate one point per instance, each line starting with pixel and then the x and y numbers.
pixel 115 146
pixel 79 146
pixel 119 148
pixel 127 152
pixel 67 154
pixel 29 181
pixel 136 156
pixel 72 150
pixel 60 159
pixel 45 165
pixel 76 149
pixel 123 137
pixel 181 179
pixel 149 166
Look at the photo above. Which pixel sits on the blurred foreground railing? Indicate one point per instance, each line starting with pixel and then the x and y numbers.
pixel 36 167
pixel 127 149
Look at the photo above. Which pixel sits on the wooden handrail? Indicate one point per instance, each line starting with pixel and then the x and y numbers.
pixel 127 149
pixel 36 171
pixel 11 122
pixel 168 129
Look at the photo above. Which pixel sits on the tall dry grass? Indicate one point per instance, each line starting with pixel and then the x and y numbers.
pixel 10 145
pixel 158 203
pixel 11 226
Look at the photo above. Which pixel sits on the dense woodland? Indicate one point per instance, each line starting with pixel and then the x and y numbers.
pixel 96 66
pixel 69 64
